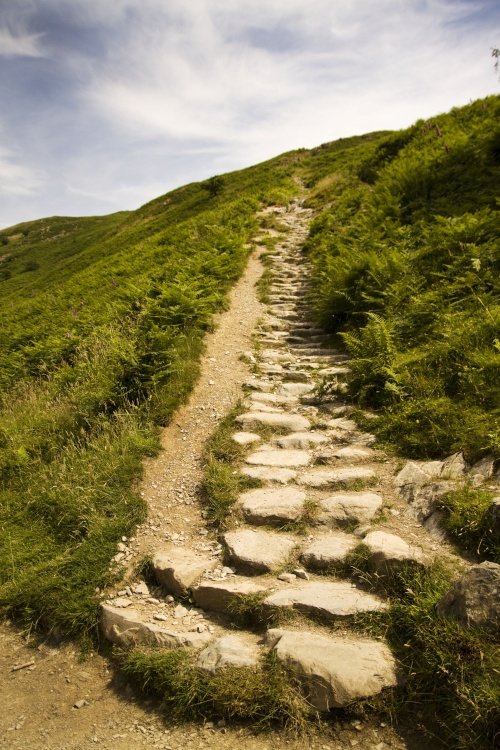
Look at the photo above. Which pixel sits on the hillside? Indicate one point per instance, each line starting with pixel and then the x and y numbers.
pixel 103 322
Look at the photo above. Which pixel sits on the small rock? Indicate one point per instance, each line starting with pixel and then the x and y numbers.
pixel 287 577
pixel 80 704
pixel 301 573
pixel 141 589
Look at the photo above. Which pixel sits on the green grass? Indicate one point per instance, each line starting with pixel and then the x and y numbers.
pixel 405 269
pixel 264 696
pixel 468 522
pixel 222 482
pixel 101 331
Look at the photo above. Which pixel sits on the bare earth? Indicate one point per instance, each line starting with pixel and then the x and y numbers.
pixel 38 699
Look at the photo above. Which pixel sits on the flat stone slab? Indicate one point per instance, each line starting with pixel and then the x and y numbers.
pixel 229 651
pixel 349 453
pixel 256 405
pixel 296 389
pixel 332 477
pixel 246 438
pixel 328 549
pixel 279 457
pixel 126 628
pixel 273 506
pixel 291 422
pixel 302 440
pixel 335 670
pixel 390 551
pixel 269 473
pixel 176 569
pixel 217 596
pixel 260 551
pixel 350 507
pixel 272 398
pixel 343 424
pixel 330 599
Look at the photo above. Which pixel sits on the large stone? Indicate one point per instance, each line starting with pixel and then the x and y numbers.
pixel 126 628
pixel 336 477
pixel 330 600
pixel 416 475
pixel 273 506
pixel 327 550
pixel 350 508
pixel 335 670
pixel 291 422
pixel 260 551
pixel 217 596
pixel 229 651
pixel 269 473
pixel 176 568
pixel 302 440
pixel 389 552
pixel 474 598
pixel 279 457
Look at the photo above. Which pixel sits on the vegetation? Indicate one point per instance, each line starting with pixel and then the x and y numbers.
pixel 469 521
pixel 99 343
pixel 406 268
pixel 101 330
pixel 264 696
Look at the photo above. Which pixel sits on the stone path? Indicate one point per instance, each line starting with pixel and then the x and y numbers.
pixel 322 492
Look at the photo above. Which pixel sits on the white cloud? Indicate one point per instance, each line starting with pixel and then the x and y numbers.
pixel 15 41
pixel 18 179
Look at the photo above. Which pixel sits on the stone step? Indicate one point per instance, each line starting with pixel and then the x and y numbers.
pixel 128 627
pixel 290 458
pixel 257 551
pixel 219 596
pixel 272 506
pixel 335 671
pixel 348 475
pixel 291 422
pixel 325 551
pixel 329 600
pixel 347 508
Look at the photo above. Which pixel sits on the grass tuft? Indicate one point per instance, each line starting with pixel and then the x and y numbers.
pixel 266 695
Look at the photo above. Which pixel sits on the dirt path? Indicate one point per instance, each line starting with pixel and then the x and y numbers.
pixel 43 697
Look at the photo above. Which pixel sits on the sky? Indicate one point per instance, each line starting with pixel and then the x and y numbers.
pixel 106 104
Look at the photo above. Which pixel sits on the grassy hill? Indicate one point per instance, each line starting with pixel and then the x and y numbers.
pixel 102 323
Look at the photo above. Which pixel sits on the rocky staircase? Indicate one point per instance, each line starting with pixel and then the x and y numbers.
pixel 321 494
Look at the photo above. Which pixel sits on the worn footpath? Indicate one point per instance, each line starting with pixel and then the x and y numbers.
pixel 323 489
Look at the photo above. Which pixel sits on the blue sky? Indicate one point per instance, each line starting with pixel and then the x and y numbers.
pixel 106 104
